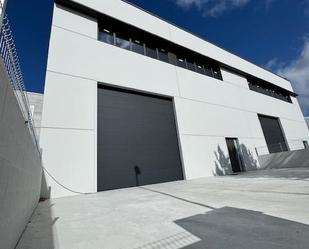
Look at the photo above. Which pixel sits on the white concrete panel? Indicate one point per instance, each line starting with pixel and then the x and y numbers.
pixel 75 21
pixel 109 64
pixel 295 130
pixel 129 14
pixel 198 118
pixel 297 106
pixel 188 40
pixel 204 156
pixel 234 78
pixel 69 155
pixel 254 126
pixel 75 108
pixel 263 104
pixel 203 88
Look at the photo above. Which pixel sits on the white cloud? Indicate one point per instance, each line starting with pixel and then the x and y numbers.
pixel 212 7
pixel 274 64
pixel 298 73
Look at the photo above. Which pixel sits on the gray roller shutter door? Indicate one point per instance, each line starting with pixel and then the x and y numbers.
pixel 273 133
pixel 137 140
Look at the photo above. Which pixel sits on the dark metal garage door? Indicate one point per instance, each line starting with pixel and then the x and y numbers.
pixel 137 140
pixel 273 133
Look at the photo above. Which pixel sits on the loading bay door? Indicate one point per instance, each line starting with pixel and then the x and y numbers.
pixel 273 133
pixel 137 140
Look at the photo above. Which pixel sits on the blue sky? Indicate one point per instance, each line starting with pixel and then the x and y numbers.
pixel 270 33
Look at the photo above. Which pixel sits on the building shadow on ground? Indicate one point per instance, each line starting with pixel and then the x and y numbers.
pixel 223 164
pixel 233 228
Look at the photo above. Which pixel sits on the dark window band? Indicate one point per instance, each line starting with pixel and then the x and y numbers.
pixel 117 33
pixel 269 90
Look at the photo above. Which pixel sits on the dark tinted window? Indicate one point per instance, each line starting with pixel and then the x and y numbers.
pixel 181 63
pixel 191 66
pixel 200 69
pixel 138 46
pixel 208 71
pixel 268 89
pixel 217 74
pixel 125 36
pixel 163 55
pixel 151 52
pixel 123 42
pixel 106 36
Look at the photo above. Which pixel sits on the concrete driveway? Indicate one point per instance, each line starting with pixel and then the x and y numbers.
pixel 259 210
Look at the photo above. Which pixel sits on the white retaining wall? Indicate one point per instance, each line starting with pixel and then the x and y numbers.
pixel 20 168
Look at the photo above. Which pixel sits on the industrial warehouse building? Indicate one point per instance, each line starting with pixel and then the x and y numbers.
pixel 131 99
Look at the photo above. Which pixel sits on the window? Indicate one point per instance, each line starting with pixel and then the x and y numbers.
pixel 268 89
pixel 151 52
pixel 125 36
pixel 123 42
pixel 163 55
pixel 200 69
pixel 217 74
pixel 208 71
pixel 138 47
pixel 107 36
pixel 181 63
pixel 191 66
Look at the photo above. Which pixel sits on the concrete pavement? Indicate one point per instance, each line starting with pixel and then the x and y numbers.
pixel 264 209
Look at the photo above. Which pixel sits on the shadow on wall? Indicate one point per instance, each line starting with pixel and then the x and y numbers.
pixel 223 164
pixel 249 161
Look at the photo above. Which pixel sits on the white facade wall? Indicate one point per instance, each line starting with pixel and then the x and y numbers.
pixel 207 110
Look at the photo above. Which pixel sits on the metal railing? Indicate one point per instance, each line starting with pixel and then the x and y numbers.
pixel 291 145
pixel 10 62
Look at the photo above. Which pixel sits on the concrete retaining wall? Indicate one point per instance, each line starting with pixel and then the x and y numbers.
pixel 20 168
pixel 290 159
